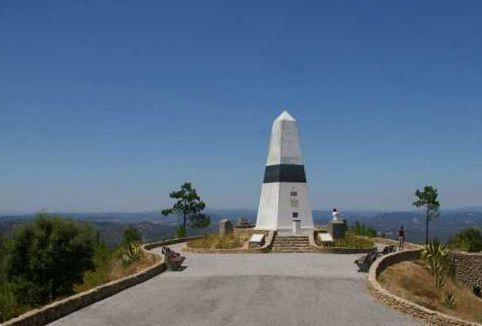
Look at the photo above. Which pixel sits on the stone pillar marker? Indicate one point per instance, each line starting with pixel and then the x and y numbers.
pixel 337 228
pixel 225 227
pixel 284 194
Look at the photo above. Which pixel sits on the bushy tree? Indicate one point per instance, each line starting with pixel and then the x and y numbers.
pixel 101 273
pixel 428 199
pixel 469 239
pixel 132 235
pixel 47 257
pixel 189 206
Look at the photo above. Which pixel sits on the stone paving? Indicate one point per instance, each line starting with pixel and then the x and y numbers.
pixel 256 289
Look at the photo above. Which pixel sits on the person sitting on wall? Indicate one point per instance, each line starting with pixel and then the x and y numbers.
pixel 336 215
pixel 401 238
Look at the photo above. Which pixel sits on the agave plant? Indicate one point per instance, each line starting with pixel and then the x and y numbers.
pixel 450 300
pixel 132 253
pixel 435 255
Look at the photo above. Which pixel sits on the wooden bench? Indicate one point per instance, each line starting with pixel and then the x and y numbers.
pixel 364 262
pixel 386 250
pixel 172 259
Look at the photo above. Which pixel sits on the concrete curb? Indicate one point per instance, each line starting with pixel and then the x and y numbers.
pixel 429 316
pixel 63 307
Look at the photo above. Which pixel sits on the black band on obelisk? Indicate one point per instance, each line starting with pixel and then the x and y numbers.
pixel 284 173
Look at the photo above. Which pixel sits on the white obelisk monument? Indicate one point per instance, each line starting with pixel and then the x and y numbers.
pixel 284 196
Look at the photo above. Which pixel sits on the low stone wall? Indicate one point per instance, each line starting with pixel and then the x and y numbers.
pixel 467 268
pixel 345 251
pixel 152 245
pixel 430 316
pixel 388 242
pixel 61 308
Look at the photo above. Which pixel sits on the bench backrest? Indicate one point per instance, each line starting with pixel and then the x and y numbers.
pixel 256 237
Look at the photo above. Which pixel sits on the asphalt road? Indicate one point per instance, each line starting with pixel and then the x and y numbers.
pixel 258 289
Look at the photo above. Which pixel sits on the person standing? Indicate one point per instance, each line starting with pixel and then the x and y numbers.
pixel 401 238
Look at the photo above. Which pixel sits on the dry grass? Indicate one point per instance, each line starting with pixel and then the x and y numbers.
pixel 412 281
pixel 116 270
pixel 353 241
pixel 146 260
pixel 215 241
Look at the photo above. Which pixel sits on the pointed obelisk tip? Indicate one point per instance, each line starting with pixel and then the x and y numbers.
pixel 285 116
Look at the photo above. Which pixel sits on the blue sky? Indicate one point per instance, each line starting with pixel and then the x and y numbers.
pixel 109 105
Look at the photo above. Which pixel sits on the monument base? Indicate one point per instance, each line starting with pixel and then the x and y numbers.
pixel 337 229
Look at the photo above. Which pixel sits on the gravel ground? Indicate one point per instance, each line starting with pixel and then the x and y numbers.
pixel 258 289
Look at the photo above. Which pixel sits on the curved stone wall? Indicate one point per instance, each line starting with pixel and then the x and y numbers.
pixel 345 251
pixel 61 308
pixel 430 316
pixel 388 242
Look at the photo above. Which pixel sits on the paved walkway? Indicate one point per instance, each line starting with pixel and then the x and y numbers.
pixel 248 290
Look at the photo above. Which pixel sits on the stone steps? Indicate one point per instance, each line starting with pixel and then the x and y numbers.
pixel 292 244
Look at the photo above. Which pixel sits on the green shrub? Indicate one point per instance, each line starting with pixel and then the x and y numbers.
pixel 132 235
pixel 469 239
pixel 47 257
pixel 43 260
pixel 100 274
pixel 9 307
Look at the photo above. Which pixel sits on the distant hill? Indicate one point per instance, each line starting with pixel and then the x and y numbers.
pixel 448 223
pixel 154 227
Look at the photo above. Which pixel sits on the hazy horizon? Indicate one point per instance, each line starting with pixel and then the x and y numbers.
pixel 208 209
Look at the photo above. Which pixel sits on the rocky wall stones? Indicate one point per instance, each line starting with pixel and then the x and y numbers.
pixel 467 268
pixel 429 316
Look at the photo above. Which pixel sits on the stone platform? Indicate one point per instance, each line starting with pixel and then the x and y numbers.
pixel 251 289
